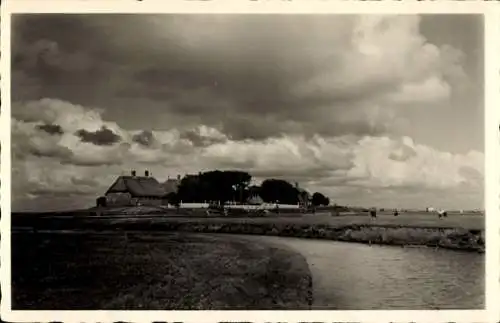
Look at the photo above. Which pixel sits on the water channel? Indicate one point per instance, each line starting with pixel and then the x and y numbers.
pixel 351 276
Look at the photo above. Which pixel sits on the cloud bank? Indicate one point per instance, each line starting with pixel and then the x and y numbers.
pixel 68 164
pixel 337 104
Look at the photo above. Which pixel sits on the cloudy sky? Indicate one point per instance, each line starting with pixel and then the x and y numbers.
pixel 370 110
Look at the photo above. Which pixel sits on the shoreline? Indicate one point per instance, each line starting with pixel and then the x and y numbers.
pixel 451 239
pixel 444 237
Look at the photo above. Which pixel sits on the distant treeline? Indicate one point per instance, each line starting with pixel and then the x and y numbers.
pixel 224 186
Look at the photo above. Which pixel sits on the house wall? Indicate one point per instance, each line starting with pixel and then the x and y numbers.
pixel 118 199
pixel 150 201
pixel 271 206
pixel 194 205
pixel 268 206
pixel 126 199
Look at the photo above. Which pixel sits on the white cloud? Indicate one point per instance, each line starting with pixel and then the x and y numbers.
pixel 431 90
pixel 416 165
pixel 389 55
pixel 335 165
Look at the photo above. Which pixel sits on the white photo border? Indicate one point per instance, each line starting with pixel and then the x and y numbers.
pixel 491 12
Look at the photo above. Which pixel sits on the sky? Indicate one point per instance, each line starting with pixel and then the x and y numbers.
pixel 370 110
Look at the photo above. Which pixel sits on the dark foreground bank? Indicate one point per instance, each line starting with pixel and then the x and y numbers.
pixel 154 271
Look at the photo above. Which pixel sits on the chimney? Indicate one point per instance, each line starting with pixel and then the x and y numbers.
pixel 178 177
pixel 146 173
pixel 297 185
pixel 132 173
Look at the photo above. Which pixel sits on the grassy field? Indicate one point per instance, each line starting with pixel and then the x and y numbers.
pixel 154 271
pixel 159 262
pixel 457 231
pixel 415 220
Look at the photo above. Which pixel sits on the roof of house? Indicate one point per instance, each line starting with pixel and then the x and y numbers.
pixel 171 185
pixel 137 186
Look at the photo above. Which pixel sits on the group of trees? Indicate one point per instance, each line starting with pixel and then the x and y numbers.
pixel 223 186
pixel 319 199
pixel 212 186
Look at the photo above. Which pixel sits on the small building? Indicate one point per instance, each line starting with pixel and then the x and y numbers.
pixel 171 185
pixel 255 199
pixel 135 190
pixel 303 196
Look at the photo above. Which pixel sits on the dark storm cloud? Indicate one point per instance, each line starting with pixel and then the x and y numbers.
pixel 317 173
pixel 247 75
pixel 49 59
pixel 102 137
pixel 53 129
pixel 242 83
pixel 253 127
pixel 58 152
pixel 145 138
pixel 229 164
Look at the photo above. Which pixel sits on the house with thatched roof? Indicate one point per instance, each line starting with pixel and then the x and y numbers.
pixel 135 190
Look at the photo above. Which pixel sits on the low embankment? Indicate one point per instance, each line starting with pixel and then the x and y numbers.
pixel 83 270
pixel 449 238
pixel 464 233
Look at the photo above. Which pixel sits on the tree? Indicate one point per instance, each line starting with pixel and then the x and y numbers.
pixel 189 189
pixel 254 190
pixel 172 198
pixel 273 190
pixel 225 185
pixel 215 185
pixel 320 199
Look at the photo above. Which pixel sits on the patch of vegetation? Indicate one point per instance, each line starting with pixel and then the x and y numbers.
pixel 155 271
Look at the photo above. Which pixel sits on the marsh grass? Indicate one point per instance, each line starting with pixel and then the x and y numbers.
pixel 465 232
pixel 147 270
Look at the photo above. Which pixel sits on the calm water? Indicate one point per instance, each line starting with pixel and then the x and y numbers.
pixel 350 276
